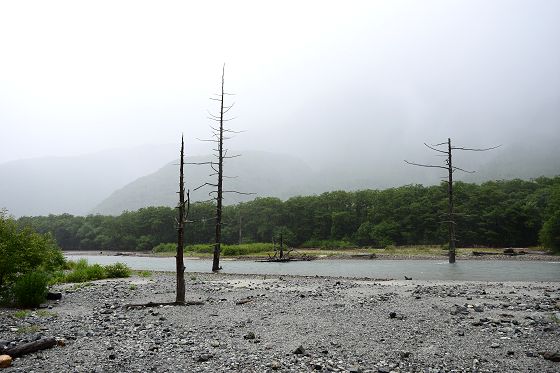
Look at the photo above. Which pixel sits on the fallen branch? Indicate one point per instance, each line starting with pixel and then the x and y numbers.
pixel 30 347
pixel 157 304
pixel 243 301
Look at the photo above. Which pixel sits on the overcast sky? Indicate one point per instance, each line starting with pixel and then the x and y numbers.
pixel 326 81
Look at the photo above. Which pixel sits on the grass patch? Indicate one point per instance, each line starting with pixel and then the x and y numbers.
pixel 208 249
pixel 82 271
pixel 29 329
pixel 21 314
pixel 144 273
pixel 45 313
pixel 133 287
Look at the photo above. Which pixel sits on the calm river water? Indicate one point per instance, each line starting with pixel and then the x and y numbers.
pixel 474 270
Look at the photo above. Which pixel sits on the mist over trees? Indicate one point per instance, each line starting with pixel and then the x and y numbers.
pixel 497 213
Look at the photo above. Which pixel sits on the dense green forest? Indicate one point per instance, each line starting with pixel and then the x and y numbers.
pixel 514 213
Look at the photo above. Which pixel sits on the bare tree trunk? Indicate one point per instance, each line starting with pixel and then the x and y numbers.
pixel 218 241
pixel 450 205
pixel 180 294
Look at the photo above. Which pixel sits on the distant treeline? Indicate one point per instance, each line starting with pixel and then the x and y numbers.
pixel 512 213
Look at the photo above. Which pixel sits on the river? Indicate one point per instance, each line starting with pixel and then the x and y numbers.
pixel 470 270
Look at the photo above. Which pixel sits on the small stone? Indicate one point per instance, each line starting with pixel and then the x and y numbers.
pixel 511 353
pixel 494 345
pixel 383 370
pixel 317 366
pixel 5 361
pixel 355 370
pixel 392 315
pixel 405 354
pixel 214 343
pixel 300 350
pixel 203 357
pixel 112 357
pixel 478 308
pixel 250 335
pixel 275 365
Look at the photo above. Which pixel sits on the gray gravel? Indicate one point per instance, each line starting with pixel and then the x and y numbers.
pixel 294 324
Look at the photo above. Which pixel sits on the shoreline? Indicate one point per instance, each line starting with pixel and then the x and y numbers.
pixel 349 256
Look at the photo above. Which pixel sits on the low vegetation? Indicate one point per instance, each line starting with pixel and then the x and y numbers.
pixel 227 250
pixel 82 271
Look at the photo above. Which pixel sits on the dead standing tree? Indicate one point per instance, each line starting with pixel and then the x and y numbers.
pixel 450 170
pixel 183 208
pixel 183 212
pixel 219 135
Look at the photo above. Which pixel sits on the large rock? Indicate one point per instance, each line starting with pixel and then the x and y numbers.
pixel 5 361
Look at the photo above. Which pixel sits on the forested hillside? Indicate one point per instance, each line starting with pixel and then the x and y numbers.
pixel 497 213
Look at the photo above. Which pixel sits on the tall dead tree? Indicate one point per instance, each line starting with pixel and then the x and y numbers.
pixel 219 135
pixel 448 152
pixel 183 212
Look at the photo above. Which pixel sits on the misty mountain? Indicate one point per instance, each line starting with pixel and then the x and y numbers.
pixel 260 174
pixel 53 185
pixel 278 175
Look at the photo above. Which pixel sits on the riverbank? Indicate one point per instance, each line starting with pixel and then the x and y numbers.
pixel 412 253
pixel 294 324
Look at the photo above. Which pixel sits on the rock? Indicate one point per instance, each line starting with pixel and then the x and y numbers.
pixel 54 296
pixel 552 356
pixel 214 343
pixel 355 370
pixel 250 335
pixel 405 354
pixel 300 350
pixel 317 366
pixel 204 357
pixel 478 308
pixel 494 345
pixel 383 370
pixel 5 361
pixel 392 315
pixel 275 365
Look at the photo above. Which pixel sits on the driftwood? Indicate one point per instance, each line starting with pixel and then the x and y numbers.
pixel 30 347
pixel 157 304
pixel 243 301
pixel 303 258
pixel 508 252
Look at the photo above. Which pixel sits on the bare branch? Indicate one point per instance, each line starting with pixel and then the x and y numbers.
pixel 203 185
pixel 460 169
pixel 424 165
pixel 476 150
pixel 437 150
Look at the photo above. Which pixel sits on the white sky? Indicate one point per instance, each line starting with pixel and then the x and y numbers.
pixel 322 80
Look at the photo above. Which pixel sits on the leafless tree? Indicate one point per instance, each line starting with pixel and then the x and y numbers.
pixel 219 135
pixel 450 168
pixel 183 209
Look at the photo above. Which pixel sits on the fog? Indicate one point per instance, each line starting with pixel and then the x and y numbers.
pixel 344 85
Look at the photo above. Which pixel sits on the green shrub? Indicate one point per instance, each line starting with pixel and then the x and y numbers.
pixel 117 270
pixel 24 251
pixel 30 290
pixel 246 249
pixel 83 272
pixel 165 248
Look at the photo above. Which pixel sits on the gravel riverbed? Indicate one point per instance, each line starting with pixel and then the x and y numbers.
pixel 293 324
